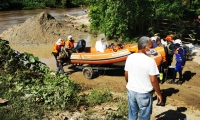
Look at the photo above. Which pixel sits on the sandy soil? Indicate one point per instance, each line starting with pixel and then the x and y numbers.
pixel 181 100
pixel 185 96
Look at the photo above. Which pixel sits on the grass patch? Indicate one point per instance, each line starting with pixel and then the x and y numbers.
pixel 121 113
pixel 98 96
pixel 21 109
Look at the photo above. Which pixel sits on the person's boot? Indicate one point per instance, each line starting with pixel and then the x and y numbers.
pixel 179 82
pixel 161 82
pixel 171 82
pixel 161 78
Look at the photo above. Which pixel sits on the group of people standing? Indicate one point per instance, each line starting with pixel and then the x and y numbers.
pixel 141 74
pixel 177 59
pixel 58 46
pixel 173 49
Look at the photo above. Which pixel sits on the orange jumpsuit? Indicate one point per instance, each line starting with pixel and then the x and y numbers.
pixel 56 47
pixel 70 44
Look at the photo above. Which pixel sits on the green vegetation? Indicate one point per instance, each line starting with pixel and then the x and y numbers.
pixel 98 97
pixel 35 4
pixel 32 92
pixel 122 112
pixel 132 18
pixel 27 84
pixel 119 18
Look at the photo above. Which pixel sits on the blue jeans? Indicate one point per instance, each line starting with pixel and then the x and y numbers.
pixel 59 68
pixel 139 102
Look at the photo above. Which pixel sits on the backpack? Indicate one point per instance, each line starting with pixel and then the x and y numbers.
pixel 183 52
pixel 63 54
pixel 170 49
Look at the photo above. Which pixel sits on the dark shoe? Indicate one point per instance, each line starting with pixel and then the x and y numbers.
pixel 161 82
pixel 171 82
pixel 68 73
pixel 161 104
pixel 179 82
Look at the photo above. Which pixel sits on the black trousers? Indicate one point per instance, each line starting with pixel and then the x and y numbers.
pixel 180 75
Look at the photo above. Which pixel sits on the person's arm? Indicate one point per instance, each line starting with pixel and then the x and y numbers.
pixel 126 76
pixel 180 51
pixel 126 68
pixel 156 87
pixel 178 58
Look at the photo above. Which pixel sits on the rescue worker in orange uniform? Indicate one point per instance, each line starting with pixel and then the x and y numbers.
pixel 56 49
pixel 70 43
pixel 170 48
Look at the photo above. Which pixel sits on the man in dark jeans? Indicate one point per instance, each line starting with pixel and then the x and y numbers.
pixel 180 62
pixel 56 50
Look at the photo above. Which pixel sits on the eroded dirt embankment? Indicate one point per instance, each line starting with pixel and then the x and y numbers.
pixel 41 29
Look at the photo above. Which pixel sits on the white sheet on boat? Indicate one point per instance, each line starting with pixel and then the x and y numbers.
pixel 101 45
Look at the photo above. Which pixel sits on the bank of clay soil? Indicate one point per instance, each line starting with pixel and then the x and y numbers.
pixel 41 29
pixel 37 34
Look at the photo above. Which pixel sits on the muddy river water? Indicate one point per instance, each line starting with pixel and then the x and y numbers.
pixel 10 18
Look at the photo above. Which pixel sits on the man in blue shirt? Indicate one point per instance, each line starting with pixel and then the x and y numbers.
pixel 180 62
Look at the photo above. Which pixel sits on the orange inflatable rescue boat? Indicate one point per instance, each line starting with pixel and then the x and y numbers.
pixel 103 56
pixel 103 53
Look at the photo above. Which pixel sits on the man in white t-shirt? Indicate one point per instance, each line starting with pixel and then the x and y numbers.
pixel 140 75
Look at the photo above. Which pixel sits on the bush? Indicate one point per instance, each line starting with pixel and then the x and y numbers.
pixel 29 87
pixel 98 96
pixel 33 5
pixel 32 91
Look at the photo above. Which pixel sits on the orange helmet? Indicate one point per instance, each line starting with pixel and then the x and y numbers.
pixel 169 38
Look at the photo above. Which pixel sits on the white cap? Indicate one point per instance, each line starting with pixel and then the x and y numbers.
pixel 59 41
pixel 154 38
pixel 178 41
pixel 69 37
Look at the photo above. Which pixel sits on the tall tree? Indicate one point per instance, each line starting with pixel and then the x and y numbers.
pixel 124 18
pixel 4 4
pixel 129 18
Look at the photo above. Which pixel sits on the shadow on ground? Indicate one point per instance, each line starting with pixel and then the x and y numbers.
pixel 187 75
pixel 166 93
pixel 173 114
